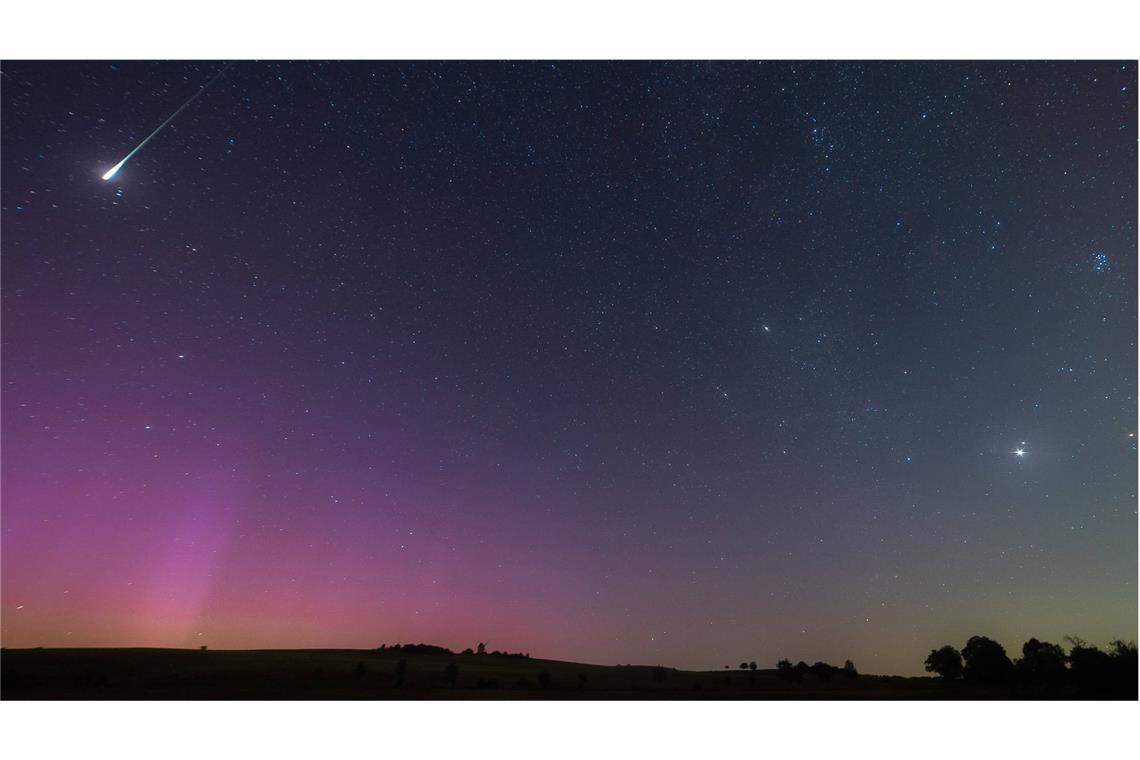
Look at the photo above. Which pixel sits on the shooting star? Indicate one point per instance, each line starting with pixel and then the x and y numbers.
pixel 115 169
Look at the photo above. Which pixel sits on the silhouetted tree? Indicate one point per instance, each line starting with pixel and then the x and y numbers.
pixel 744 666
pixel 752 665
pixel 482 649
pixel 946 662
pixel 451 673
pixel 1124 661
pixel 1124 652
pixel 824 671
pixel 1102 674
pixel 849 669
pixel 789 672
pixel 1091 668
pixel 985 661
pixel 1041 663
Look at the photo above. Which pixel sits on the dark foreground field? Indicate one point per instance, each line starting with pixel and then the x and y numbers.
pixel 371 674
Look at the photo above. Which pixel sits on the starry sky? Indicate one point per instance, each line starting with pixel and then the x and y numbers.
pixel 652 362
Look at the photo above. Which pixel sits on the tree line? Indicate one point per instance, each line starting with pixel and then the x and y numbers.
pixel 433 649
pixel 822 670
pixel 1043 667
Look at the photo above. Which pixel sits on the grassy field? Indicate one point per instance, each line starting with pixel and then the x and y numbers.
pixel 372 674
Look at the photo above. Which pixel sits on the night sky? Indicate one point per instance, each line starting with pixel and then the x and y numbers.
pixel 684 363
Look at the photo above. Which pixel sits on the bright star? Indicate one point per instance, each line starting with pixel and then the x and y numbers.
pixel 1019 452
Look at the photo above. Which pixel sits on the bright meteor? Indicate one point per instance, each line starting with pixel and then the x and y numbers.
pixel 115 169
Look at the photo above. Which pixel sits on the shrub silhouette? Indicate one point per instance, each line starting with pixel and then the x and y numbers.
pixel 468 650
pixel 744 666
pixel 752 665
pixel 946 662
pixel 849 669
pixel 985 661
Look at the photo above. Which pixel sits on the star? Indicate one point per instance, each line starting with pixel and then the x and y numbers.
pixel 1019 452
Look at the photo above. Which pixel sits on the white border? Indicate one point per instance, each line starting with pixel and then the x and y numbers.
pixel 341 29
pixel 577 730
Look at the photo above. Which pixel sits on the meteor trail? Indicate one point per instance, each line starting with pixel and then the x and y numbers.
pixel 115 169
